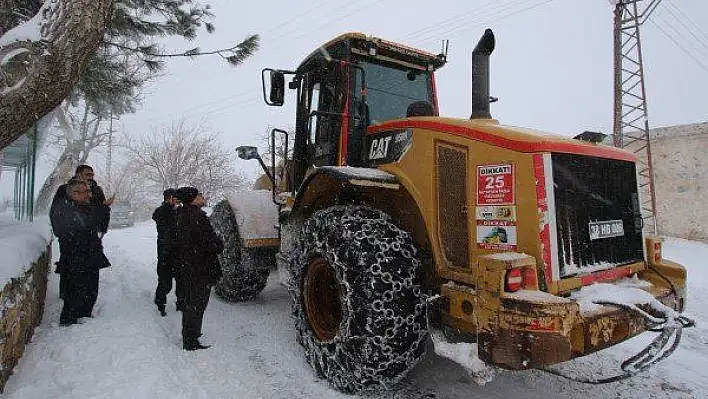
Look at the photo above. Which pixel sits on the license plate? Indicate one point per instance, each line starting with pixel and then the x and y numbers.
pixel 606 229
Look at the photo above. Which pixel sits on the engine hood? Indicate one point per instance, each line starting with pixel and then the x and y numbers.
pixel 514 138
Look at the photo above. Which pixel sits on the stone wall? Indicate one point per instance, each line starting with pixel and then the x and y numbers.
pixel 21 309
pixel 680 158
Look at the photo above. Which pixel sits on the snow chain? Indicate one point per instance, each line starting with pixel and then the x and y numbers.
pixel 655 352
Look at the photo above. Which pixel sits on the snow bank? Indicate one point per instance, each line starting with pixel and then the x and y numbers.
pixel 21 243
pixel 464 354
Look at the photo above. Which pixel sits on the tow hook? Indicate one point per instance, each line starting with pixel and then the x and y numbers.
pixel 670 327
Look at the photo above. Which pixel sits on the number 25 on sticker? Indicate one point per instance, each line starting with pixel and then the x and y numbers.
pixel 493 182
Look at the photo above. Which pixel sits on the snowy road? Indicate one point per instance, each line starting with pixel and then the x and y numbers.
pixel 128 351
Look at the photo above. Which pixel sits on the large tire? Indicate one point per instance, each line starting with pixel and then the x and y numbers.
pixel 245 270
pixel 356 299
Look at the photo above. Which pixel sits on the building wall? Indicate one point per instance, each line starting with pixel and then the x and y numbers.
pixel 680 158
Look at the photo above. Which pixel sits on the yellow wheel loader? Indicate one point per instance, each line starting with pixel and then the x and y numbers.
pixel 390 216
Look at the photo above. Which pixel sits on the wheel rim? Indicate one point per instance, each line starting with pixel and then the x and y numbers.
pixel 321 297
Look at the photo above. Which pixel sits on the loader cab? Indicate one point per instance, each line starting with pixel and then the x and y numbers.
pixel 343 87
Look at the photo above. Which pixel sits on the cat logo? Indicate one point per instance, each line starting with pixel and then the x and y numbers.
pixel 379 148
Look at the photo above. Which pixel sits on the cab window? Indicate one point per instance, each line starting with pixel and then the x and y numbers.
pixel 391 89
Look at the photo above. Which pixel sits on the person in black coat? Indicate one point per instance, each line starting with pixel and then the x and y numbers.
pixel 165 217
pixel 97 198
pixel 195 247
pixel 76 222
pixel 85 173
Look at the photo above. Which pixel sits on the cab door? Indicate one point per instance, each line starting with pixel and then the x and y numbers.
pixel 325 114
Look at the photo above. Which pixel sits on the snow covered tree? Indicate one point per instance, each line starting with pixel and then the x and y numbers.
pixel 126 57
pixel 182 155
pixel 42 59
pixel 80 131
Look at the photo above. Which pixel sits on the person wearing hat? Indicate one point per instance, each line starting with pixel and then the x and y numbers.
pixel 196 247
pixel 165 217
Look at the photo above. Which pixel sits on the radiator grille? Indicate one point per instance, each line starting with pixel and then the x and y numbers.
pixel 589 189
pixel 452 204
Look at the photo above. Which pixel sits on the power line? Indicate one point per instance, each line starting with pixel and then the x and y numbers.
pixel 680 46
pixel 326 22
pixel 295 18
pixel 459 18
pixel 249 93
pixel 682 20
pixel 688 19
pixel 298 16
pixel 507 10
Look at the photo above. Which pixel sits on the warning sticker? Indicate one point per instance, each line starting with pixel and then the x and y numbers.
pixel 495 184
pixel 504 213
pixel 496 227
pixel 496 236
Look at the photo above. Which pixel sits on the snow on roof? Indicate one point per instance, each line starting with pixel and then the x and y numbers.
pixel 21 243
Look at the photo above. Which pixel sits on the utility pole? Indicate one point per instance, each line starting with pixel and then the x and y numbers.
pixel 631 120
pixel 109 158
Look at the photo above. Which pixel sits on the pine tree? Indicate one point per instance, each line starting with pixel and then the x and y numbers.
pixel 110 80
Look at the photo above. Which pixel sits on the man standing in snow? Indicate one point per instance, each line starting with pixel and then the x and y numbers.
pixel 85 173
pixel 164 217
pixel 77 222
pixel 96 196
pixel 195 248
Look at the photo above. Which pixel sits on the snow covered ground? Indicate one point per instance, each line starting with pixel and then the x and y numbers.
pixel 128 351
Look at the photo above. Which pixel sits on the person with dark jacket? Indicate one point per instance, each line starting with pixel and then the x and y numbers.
pixel 164 217
pixel 96 197
pixel 76 222
pixel 85 173
pixel 195 247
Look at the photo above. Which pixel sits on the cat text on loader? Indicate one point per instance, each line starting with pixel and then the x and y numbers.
pixel 390 216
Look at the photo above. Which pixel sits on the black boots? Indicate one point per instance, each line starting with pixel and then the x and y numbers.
pixel 193 345
pixel 161 308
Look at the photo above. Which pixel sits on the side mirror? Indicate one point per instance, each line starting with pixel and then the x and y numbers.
pixel 247 152
pixel 275 87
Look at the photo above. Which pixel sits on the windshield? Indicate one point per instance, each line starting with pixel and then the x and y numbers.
pixel 391 90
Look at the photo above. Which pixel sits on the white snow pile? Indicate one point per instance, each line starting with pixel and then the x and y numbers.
pixel 21 243
pixel 363 173
pixel 128 351
pixel 464 354
pixel 626 293
pixel 256 214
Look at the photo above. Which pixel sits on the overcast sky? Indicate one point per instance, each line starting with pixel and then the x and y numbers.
pixel 552 67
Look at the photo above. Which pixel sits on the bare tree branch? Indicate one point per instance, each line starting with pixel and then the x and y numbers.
pixel 181 155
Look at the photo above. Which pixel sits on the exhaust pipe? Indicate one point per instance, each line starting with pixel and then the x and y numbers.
pixel 480 76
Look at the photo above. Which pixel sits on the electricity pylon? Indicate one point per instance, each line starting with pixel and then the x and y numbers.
pixel 631 121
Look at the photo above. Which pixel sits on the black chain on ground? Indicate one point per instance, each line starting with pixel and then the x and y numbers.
pixel 648 356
